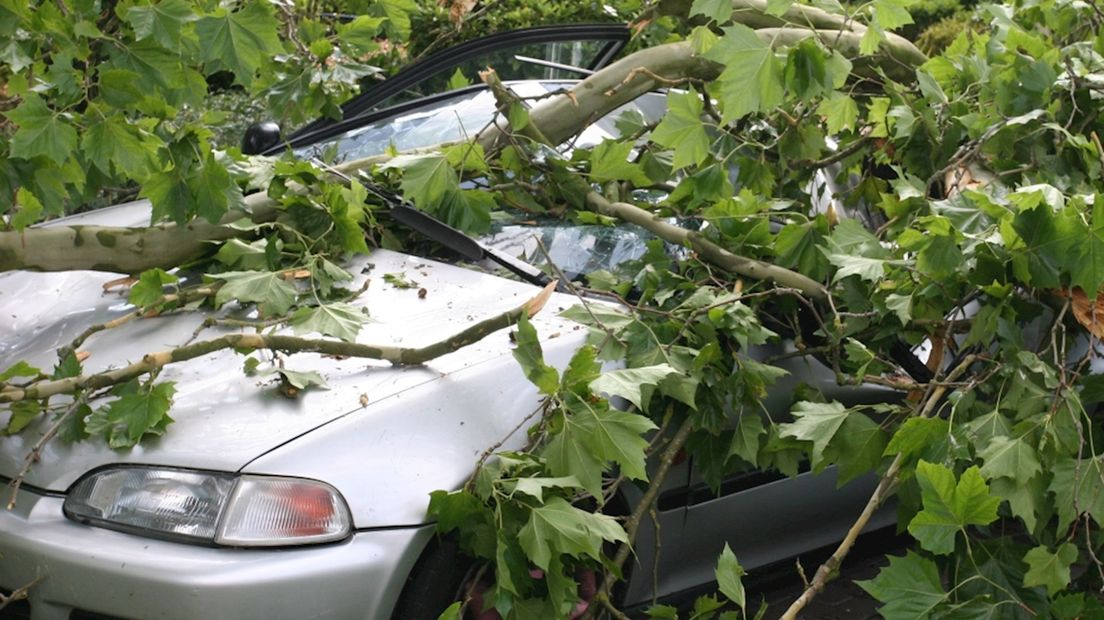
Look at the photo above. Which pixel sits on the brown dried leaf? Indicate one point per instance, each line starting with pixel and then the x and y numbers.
pixel 1089 313
pixel 459 9
pixel 117 282
pixel 534 305
pixel 82 355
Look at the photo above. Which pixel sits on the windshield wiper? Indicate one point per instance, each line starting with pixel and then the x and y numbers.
pixel 436 230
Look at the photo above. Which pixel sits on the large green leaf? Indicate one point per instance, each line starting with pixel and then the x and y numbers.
pixel 558 527
pixel 273 294
pixel 113 143
pixel 1078 487
pixel 1010 458
pixel 340 320
pixel 752 79
pixel 163 21
pixel 629 382
pixel 909 588
pixel 949 507
pixel 138 410
pixel 682 129
pixel 426 179
pixel 1051 570
pixel 815 422
pixel 609 161
pixel 41 131
pixel 613 435
pixel 240 40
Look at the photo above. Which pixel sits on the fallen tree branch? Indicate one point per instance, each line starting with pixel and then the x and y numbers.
pixel 712 252
pixel 153 362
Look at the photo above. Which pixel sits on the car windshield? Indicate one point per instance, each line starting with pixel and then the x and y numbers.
pixel 575 249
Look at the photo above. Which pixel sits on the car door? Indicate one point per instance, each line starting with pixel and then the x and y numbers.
pixel 548 52
pixel 765 516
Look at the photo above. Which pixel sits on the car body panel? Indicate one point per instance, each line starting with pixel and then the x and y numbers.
pixel 225 419
pixel 113 573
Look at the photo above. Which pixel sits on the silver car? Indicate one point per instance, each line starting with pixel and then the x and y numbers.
pixel 254 505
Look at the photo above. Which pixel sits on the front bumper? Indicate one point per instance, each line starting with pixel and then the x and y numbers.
pixel 115 574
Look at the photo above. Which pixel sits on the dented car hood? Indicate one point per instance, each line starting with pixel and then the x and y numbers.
pixel 228 421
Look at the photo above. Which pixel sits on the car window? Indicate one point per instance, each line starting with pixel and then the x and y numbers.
pixel 586 46
pixel 511 63
pixel 457 116
pixel 575 249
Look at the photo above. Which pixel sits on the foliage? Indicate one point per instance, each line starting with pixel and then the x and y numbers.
pixel 969 221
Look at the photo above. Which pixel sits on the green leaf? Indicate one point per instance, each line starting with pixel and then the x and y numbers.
pixel 682 129
pixel 1051 570
pixel 239 40
pixel 528 353
pixel 70 366
pixel 815 422
pixel 940 258
pixel 613 435
pixel 73 428
pixel 1010 458
pixel 452 612
pixel 752 79
pixel 29 209
pixel 114 143
pixel 909 588
pixel 426 179
pixel 890 14
pixel 1078 487
pixel 609 161
pixel 163 21
pixel 567 455
pixel 361 35
pixel 302 379
pixel 149 289
pixel 273 294
pixel 950 507
pixel 214 190
pixel 778 7
pixel 728 575
pixel 718 10
pixel 916 435
pixel 535 487
pixel 796 247
pixel 340 320
pixel 1087 271
pixel 140 409
pixel 22 414
pixel 41 132
pixel 517 116
pixel 839 111
pixel 858 446
pixel 558 527
pixel 627 382
pixel 19 369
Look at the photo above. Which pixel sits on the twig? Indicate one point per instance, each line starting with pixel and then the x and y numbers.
pixel 19 593
pixel 36 451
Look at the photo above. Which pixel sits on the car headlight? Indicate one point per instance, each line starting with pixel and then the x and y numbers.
pixel 213 508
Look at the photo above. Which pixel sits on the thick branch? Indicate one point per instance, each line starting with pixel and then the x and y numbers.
pixel 753 13
pixel 277 342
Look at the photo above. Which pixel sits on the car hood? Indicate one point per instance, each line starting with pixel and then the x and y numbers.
pixel 223 418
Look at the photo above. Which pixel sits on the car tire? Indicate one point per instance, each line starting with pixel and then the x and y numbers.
pixel 435 582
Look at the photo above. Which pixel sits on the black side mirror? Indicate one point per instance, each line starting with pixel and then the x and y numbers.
pixel 260 137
